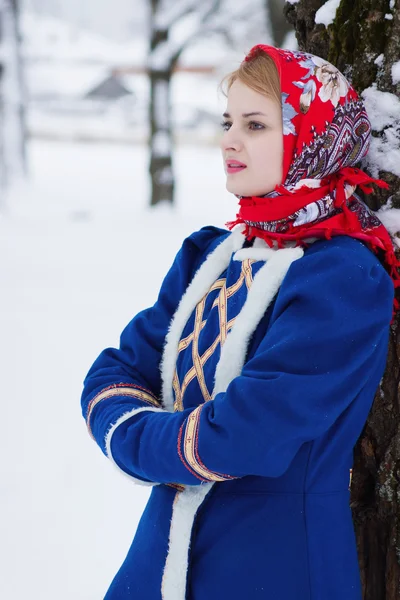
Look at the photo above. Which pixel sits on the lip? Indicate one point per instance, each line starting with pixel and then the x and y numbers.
pixel 234 166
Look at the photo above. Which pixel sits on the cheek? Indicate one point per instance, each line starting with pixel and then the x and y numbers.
pixel 267 155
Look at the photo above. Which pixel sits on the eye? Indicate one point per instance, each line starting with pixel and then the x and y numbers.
pixel 225 125
pixel 255 126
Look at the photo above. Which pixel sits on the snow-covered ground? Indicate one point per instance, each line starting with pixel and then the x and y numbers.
pixel 81 254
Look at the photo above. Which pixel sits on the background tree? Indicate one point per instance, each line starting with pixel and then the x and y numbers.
pixel 12 113
pixel 362 38
pixel 277 22
pixel 164 54
pixel 194 19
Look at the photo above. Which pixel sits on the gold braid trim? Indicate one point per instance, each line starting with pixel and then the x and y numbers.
pixel 190 449
pixel 122 389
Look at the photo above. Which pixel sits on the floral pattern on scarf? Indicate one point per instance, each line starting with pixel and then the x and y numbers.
pixel 325 128
pixel 326 132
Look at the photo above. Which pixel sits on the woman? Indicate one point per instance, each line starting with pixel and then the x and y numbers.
pixel 240 394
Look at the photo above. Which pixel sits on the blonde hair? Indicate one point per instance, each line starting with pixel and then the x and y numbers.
pixel 260 74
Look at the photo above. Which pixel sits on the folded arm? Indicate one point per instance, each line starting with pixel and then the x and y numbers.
pixel 128 378
pixel 331 317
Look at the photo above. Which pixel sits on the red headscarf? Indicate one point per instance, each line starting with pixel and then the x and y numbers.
pixel 326 132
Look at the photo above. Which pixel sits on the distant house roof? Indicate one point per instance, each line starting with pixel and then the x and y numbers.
pixel 62 80
pixel 110 88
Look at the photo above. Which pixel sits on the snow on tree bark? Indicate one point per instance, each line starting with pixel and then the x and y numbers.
pixel 12 133
pixel 362 38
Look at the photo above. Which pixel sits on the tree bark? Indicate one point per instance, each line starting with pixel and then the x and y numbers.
pixel 359 35
pixel 160 167
pixel 2 160
pixel 20 83
pixel 278 24
pixel 13 164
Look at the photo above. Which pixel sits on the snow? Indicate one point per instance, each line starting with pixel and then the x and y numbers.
pixel 166 17
pixel 389 16
pixel 396 73
pixel 383 109
pixel 53 79
pixel 70 283
pixel 161 144
pixel 327 13
pixel 119 19
pixel 46 37
pixel 290 41
pixel 390 217
pixel 379 60
pixel 293 1
pixel 209 51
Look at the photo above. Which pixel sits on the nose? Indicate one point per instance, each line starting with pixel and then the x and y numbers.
pixel 231 140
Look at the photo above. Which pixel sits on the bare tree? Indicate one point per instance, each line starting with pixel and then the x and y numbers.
pixel 12 114
pixel 164 55
pixel 202 19
pixel 363 40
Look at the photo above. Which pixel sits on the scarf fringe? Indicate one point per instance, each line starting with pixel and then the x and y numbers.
pixel 377 239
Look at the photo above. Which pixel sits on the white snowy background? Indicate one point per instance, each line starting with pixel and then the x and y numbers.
pixel 81 254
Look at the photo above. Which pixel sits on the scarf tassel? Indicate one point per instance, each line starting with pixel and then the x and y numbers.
pixel 335 185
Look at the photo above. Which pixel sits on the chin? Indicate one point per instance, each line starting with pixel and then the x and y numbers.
pixel 245 190
pixel 238 190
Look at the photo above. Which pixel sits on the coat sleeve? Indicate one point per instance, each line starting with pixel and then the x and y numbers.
pixel 127 378
pixel 330 319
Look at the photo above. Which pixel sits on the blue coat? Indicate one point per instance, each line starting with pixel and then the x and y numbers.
pixel 243 418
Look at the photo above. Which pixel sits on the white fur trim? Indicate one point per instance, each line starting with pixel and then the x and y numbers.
pixel 208 272
pixel 184 511
pixel 260 243
pixel 254 253
pixel 265 285
pixel 111 431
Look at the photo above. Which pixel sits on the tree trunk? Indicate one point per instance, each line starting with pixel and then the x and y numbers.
pixel 160 142
pixel 359 36
pixel 12 109
pixel 277 22
pixel 2 161
pixel 20 84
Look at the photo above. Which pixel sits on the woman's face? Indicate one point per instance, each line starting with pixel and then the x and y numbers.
pixel 252 142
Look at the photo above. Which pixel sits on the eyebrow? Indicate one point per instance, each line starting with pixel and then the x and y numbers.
pixel 245 115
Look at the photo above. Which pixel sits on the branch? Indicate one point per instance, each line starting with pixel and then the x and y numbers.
pixel 165 55
pixel 220 24
pixel 209 19
pixel 166 18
